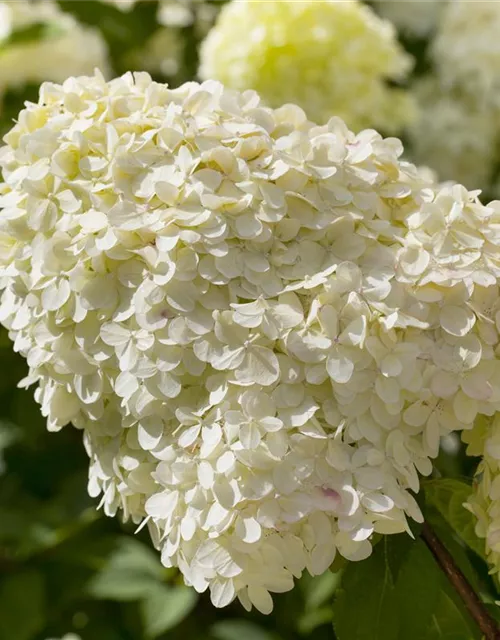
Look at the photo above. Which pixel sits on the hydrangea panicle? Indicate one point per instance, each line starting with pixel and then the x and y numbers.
pixel 262 326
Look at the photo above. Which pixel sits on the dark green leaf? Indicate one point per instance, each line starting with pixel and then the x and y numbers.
pixel 418 588
pixel 366 605
pixel 447 622
pixel 22 602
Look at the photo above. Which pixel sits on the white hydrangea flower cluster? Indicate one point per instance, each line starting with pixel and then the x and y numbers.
pixel 261 325
pixel 331 58
pixel 65 48
pixel 415 18
pixel 467 49
pixel 484 441
pixel 460 140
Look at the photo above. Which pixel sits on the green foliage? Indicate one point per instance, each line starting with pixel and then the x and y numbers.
pixel 399 593
pixel 22 610
pixel 239 630
pixel 30 35
pixel 163 607
pixel 448 496
pixel 131 572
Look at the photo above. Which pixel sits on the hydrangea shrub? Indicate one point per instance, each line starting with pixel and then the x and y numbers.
pixel 262 326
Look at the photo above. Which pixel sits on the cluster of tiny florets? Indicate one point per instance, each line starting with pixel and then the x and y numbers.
pixel 331 58
pixel 62 48
pixel 262 326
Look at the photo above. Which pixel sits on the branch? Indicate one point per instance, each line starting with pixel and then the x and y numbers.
pixel 473 604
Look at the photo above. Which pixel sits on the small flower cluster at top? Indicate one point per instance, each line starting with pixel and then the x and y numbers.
pixel 331 57
pixel 262 326
pixel 63 48
pixel 458 131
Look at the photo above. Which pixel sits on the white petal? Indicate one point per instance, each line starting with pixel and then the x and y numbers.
pixel 261 599
pixel 457 321
pixel 56 295
pixel 222 592
pixel 248 529
pixel 340 368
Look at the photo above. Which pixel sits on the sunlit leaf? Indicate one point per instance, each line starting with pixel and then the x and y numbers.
pixel 448 495
pixel 164 607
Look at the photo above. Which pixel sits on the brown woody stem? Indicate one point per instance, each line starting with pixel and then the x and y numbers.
pixel 473 604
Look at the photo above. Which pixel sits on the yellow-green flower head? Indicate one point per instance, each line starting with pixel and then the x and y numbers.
pixel 330 58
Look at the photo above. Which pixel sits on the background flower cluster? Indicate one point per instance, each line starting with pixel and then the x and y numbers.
pixel 427 72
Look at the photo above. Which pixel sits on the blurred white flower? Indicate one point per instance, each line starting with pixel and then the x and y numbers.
pixel 162 53
pixel 182 13
pixel 416 18
pixel 466 49
pixel 123 5
pixel 178 13
pixel 330 58
pixel 62 48
pixel 453 136
pixel 262 326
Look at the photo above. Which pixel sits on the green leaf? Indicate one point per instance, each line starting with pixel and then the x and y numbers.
pixel 164 607
pixel 239 630
pixel 319 589
pixel 22 601
pixel 314 618
pixel 418 588
pixel 447 622
pixel 132 572
pixel 366 605
pixel 31 34
pixel 448 495
pixel 398 550
pixel 399 592
pixel 455 545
